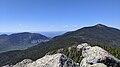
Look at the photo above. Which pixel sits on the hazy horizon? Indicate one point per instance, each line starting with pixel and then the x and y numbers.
pixel 33 31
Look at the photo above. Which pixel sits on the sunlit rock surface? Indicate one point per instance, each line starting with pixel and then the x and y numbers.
pixel 23 63
pixel 94 55
pixel 20 64
pixel 56 60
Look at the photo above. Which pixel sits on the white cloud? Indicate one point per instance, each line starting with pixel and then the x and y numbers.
pixel 66 26
pixel 19 24
pixel 74 25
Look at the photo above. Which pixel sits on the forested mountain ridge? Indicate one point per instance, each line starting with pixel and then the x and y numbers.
pixel 19 41
pixel 98 33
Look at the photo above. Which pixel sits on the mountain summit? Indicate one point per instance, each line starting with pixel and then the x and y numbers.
pixel 100 26
pixel 98 33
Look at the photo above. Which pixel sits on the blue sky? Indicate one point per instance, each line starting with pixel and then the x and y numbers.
pixel 57 15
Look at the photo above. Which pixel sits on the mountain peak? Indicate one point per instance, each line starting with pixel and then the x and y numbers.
pixel 100 26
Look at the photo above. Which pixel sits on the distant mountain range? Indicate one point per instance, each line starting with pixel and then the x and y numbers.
pixel 95 35
pixel 49 34
pixel 19 41
pixel 52 34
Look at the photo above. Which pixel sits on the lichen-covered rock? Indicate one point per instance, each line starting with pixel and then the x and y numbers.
pixel 94 55
pixel 20 64
pixel 82 45
pixel 98 65
pixel 84 63
pixel 56 60
pixel 23 63
pixel 8 66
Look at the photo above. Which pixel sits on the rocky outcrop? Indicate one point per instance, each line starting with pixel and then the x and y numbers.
pixel 56 60
pixel 20 64
pixel 96 56
pixel 90 57
pixel 23 63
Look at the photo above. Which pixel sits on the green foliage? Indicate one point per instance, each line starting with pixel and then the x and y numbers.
pixel 73 53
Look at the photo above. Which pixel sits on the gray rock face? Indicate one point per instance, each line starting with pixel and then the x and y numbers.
pixel 20 64
pixel 23 63
pixel 98 65
pixel 56 60
pixel 95 55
